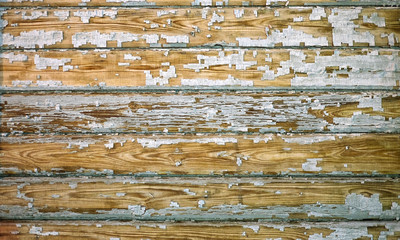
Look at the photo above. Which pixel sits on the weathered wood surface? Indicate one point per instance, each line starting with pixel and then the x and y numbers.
pixel 338 112
pixel 305 68
pixel 292 155
pixel 195 3
pixel 189 27
pixel 155 230
pixel 203 199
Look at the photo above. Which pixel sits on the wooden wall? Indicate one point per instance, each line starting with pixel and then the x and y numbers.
pixel 200 119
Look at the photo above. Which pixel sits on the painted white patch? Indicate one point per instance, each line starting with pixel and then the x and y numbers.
pixel 216 18
pixel 34 15
pixel 344 28
pixel 378 21
pixel 62 15
pixel 120 194
pixel 358 202
pixel 14 58
pixel 166 12
pixel 202 3
pixel 39 231
pixel 201 203
pixel 238 13
pixel 308 139
pixel 123 64
pixel 187 190
pixel 163 79
pixel 85 15
pixel 205 62
pixel 374 102
pixel 176 39
pixel 230 81
pixel 137 209
pixel 101 39
pixel 298 19
pixel 255 228
pixel 311 165
pixel 53 63
pixel 33 38
pixel 317 13
pixel 288 37
pixel 155 143
pixel 174 204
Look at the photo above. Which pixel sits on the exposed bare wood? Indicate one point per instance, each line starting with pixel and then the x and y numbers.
pixel 201 112
pixel 340 154
pixel 199 198
pixel 247 27
pixel 188 230
pixel 348 68
pixel 203 3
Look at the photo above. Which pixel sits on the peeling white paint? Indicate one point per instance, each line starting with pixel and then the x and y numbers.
pixel 201 203
pixel 166 12
pixel 317 13
pixel 255 228
pixel 137 209
pixel 39 231
pixel 230 81
pixel 288 37
pixel 85 15
pixel 54 63
pixel 62 14
pixel 31 39
pixel 205 62
pixel 344 28
pixel 309 139
pixel 33 15
pixel 202 3
pixel 131 57
pixel 156 143
pixel 14 58
pixel 174 204
pixel 238 13
pixel 311 165
pixel 175 39
pixel 163 79
pixel 101 39
pixel 378 21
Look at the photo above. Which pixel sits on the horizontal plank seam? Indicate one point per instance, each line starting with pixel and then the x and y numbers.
pixel 178 90
pixel 98 217
pixel 165 176
pixel 339 5
pixel 206 47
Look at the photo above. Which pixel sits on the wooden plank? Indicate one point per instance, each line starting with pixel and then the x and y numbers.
pixel 187 230
pixel 190 112
pixel 189 27
pixel 307 68
pixel 203 3
pixel 199 199
pixel 272 154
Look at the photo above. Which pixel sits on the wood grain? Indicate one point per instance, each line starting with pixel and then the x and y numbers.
pixel 182 199
pixel 333 154
pixel 146 3
pixel 306 68
pixel 186 112
pixel 188 27
pixel 187 230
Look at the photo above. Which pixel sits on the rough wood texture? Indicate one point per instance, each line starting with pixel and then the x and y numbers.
pixel 333 154
pixel 195 3
pixel 155 230
pixel 306 68
pixel 247 27
pixel 183 199
pixel 202 112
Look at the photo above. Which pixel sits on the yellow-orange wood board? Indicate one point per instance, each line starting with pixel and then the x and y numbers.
pixel 191 112
pixel 155 230
pixel 192 27
pixel 297 68
pixel 196 3
pixel 267 154
pixel 183 199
